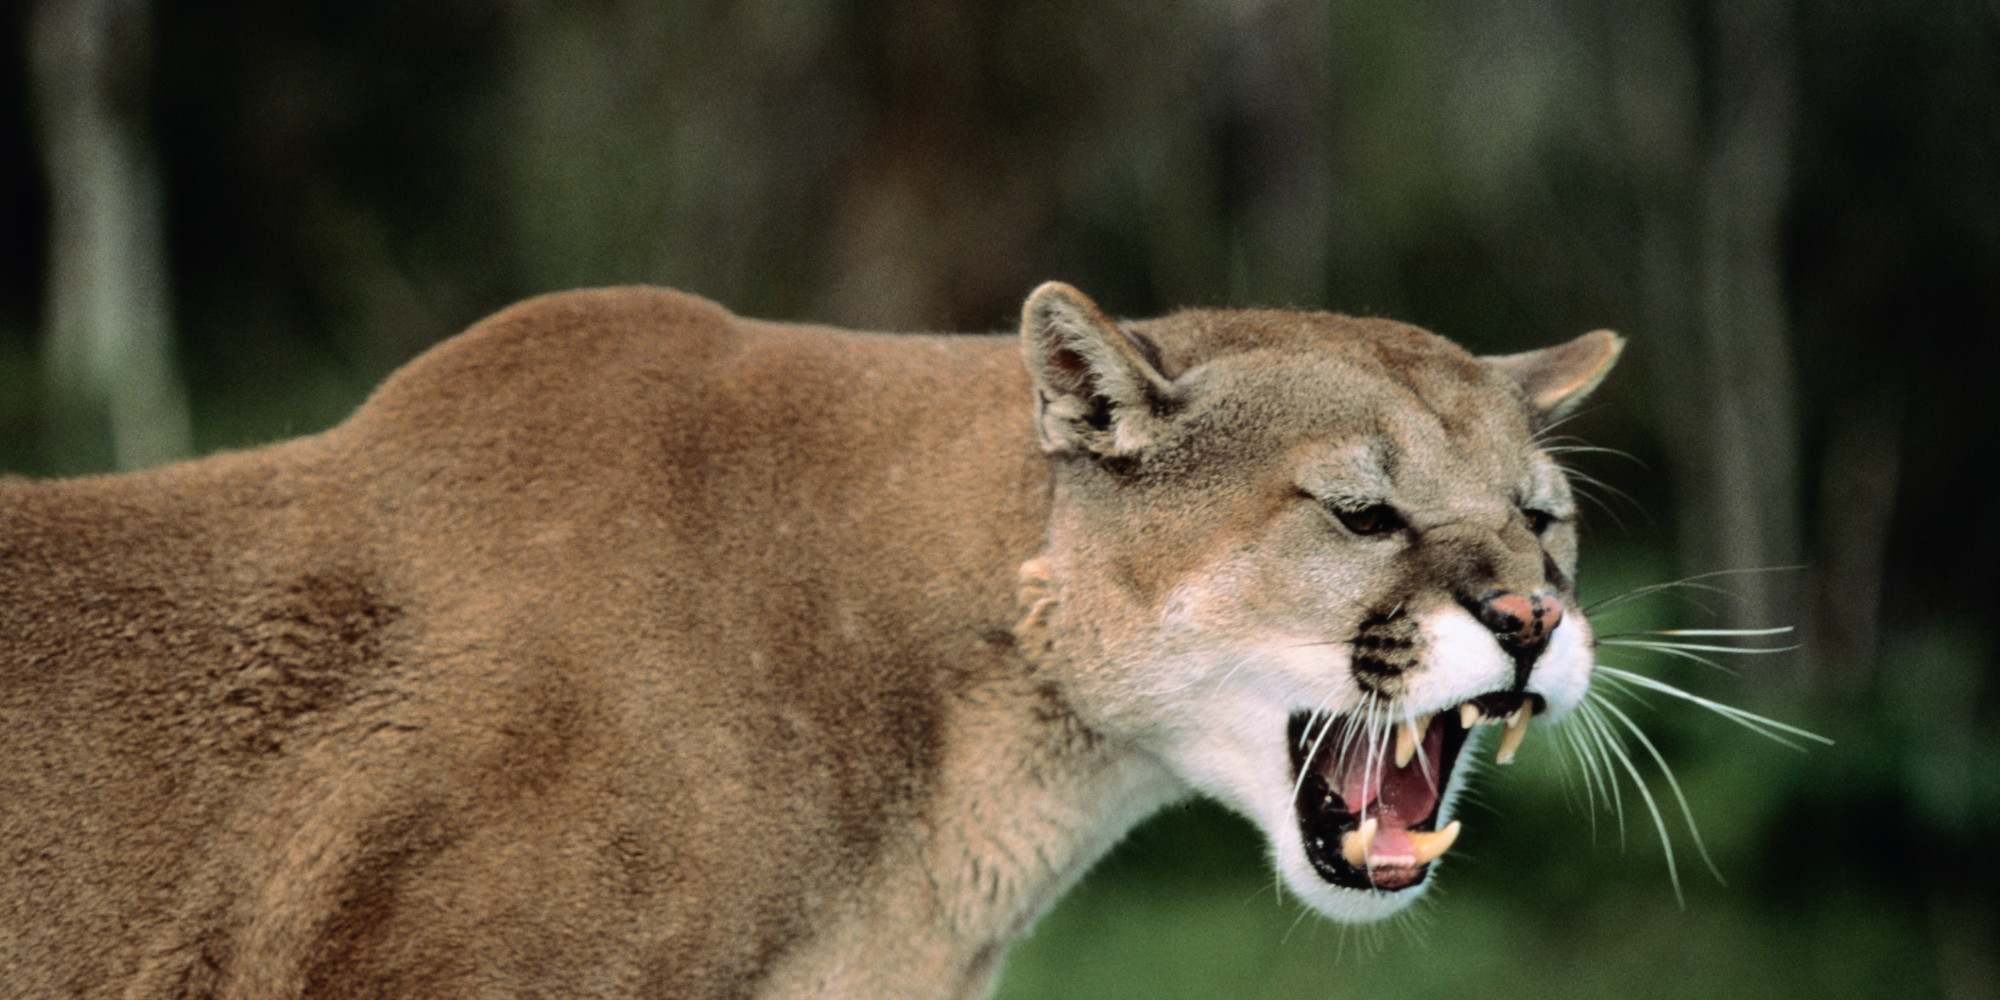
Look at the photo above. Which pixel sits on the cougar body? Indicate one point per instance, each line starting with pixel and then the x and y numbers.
pixel 622 647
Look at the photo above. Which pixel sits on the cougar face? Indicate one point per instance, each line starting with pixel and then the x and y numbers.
pixel 1312 578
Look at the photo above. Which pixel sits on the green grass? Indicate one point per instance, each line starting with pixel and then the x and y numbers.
pixel 1186 909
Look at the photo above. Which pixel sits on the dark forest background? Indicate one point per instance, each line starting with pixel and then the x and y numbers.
pixel 222 222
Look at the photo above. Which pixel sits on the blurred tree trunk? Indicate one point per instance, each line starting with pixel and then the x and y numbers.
pixel 1856 503
pixel 1714 185
pixel 108 345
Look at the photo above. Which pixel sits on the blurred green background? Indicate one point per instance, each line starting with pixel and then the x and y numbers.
pixel 222 222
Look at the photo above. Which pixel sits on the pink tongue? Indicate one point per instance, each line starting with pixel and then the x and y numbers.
pixel 1392 845
pixel 1407 796
pixel 1396 797
pixel 1359 783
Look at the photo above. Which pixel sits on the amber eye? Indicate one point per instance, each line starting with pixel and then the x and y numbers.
pixel 1539 520
pixel 1374 519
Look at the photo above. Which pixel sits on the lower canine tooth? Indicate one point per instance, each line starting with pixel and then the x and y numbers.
pixel 1516 731
pixel 1356 845
pixel 1431 846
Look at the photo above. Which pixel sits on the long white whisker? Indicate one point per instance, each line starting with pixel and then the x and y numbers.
pixel 1241 662
pixel 1687 582
pixel 1593 724
pixel 1746 632
pixel 1600 773
pixel 1758 724
pixel 1588 449
pixel 1543 433
pixel 1311 755
pixel 1687 814
pixel 1424 759
pixel 1566 747
pixel 1296 921
pixel 1617 748
pixel 1593 482
pixel 1680 654
pixel 1604 727
pixel 1673 647
pixel 1587 763
pixel 1298 783
pixel 1371 768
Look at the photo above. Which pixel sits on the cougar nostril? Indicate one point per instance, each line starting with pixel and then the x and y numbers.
pixel 1506 613
pixel 1520 619
pixel 1548 613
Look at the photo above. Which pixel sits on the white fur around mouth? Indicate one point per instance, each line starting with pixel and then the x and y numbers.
pixel 1370 794
pixel 1243 748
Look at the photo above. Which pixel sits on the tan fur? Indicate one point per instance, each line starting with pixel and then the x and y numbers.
pixel 620 647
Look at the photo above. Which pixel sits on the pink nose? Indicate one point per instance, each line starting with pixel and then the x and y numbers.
pixel 1521 620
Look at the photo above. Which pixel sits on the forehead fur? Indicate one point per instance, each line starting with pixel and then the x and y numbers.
pixel 1194 337
pixel 1436 374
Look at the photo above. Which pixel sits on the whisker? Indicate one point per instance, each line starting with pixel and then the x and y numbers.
pixel 1311 755
pixel 1618 684
pixel 1593 725
pixel 1423 759
pixel 1673 647
pixel 1542 433
pixel 1680 654
pixel 1317 740
pixel 1241 662
pixel 1565 749
pixel 1415 922
pixel 1617 748
pixel 1744 632
pixel 1758 724
pixel 1375 724
pixel 1688 582
pixel 1609 511
pixel 1586 486
pixel 1577 448
pixel 1304 912
pixel 1603 728
pixel 1592 780
pixel 1593 482
pixel 1687 815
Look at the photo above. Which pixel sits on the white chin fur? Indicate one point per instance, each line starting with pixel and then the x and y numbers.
pixel 1240 758
pixel 1234 746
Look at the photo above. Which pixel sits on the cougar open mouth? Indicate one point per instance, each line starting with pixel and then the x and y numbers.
pixel 1368 795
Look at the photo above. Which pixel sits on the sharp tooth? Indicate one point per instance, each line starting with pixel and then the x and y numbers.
pixel 1410 736
pixel 1431 846
pixel 1356 845
pixel 1517 729
pixel 1469 715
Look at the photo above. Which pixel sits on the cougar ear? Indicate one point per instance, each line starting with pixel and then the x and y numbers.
pixel 1095 391
pixel 1556 379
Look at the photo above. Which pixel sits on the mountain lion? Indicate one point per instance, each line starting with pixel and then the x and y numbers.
pixel 621 647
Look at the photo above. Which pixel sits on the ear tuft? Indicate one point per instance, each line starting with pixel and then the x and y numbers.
pixel 1556 379
pixel 1095 391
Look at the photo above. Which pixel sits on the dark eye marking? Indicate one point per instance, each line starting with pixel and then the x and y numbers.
pixel 1371 519
pixel 1539 521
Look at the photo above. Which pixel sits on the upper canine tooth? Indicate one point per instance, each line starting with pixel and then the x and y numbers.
pixel 1469 715
pixel 1356 845
pixel 1430 846
pixel 1409 736
pixel 1517 730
